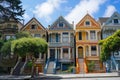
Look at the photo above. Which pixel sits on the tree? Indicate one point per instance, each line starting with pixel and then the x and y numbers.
pixel 1 43
pixel 29 47
pixel 6 48
pixel 110 45
pixel 22 34
pixel 10 8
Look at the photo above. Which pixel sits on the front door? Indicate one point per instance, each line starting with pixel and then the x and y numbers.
pixel 52 54
pixel 80 52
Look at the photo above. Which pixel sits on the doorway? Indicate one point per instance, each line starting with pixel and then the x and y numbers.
pixel 52 54
pixel 80 52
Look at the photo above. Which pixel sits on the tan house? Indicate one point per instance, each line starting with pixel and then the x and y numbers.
pixel 36 29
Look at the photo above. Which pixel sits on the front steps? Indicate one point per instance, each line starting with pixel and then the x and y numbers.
pixel 81 64
pixel 50 67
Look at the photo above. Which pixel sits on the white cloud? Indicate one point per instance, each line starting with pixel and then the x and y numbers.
pixel 26 16
pixel 84 6
pixel 109 11
pixel 45 9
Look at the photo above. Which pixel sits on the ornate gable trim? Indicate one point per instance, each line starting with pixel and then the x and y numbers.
pixel 87 17
pixel 33 20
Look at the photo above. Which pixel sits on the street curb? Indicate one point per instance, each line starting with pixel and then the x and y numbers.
pixel 53 77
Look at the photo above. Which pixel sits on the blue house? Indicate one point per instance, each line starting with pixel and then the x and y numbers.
pixel 61 46
pixel 109 26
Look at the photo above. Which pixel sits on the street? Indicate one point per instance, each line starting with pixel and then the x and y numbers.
pixel 105 78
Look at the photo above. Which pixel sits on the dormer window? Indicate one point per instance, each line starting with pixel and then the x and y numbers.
pixel 87 23
pixel 33 26
pixel 115 21
pixel 60 24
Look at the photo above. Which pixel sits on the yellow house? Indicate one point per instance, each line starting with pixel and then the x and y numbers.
pixel 87 48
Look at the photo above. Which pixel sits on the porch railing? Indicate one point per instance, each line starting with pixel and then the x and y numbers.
pixel 55 64
pixel 115 63
pixel 46 66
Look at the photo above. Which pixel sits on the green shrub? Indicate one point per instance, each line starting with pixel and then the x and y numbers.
pixel 91 66
pixel 29 64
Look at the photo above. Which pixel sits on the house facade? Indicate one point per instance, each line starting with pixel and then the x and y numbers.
pixel 61 45
pixel 88 33
pixel 36 29
pixel 9 28
pixel 109 26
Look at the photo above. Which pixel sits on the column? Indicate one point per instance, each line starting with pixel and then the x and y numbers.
pixel 39 55
pixel 89 50
pixel 84 51
pixel 69 37
pixel 48 53
pixel 97 50
pixel 88 35
pixel 56 53
pixel 96 35
pixel 61 53
pixel 73 53
pixel 76 52
pixel 61 37
pixel 69 53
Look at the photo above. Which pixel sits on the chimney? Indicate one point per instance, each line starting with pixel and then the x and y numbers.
pixel 73 24
pixel 48 26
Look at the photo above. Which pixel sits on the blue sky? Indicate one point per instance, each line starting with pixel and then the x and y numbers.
pixel 47 11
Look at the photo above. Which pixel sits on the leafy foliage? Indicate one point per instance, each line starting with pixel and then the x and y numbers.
pixel 10 8
pixel 91 66
pixel 109 45
pixel 6 48
pixel 22 34
pixel 31 46
pixel 1 44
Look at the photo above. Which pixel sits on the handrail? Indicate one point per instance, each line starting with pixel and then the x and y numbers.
pixel 54 68
pixel 77 66
pixel 19 60
pixel 115 63
pixel 22 69
pixel 46 66
pixel 86 68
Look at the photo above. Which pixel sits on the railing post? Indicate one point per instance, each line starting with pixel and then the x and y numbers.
pixel 117 67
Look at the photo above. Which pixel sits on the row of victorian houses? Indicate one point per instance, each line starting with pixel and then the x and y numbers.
pixel 69 48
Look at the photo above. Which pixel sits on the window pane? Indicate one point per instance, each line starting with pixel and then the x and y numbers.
pixel 60 24
pixel 33 26
pixel 36 35
pixel 57 37
pixel 115 21
pixel 65 53
pixel 65 37
pixel 93 51
pixel 87 23
pixel 92 35
pixel 7 37
pixel 80 35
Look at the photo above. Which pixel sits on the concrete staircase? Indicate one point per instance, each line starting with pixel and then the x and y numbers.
pixel 17 69
pixel 81 62
pixel 50 67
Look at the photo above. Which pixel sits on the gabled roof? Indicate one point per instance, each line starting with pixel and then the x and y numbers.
pixel 87 16
pixel 30 21
pixel 54 26
pixel 114 15
pixel 102 20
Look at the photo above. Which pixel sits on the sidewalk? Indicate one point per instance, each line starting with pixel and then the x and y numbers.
pixel 12 77
pixel 59 76
pixel 89 75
